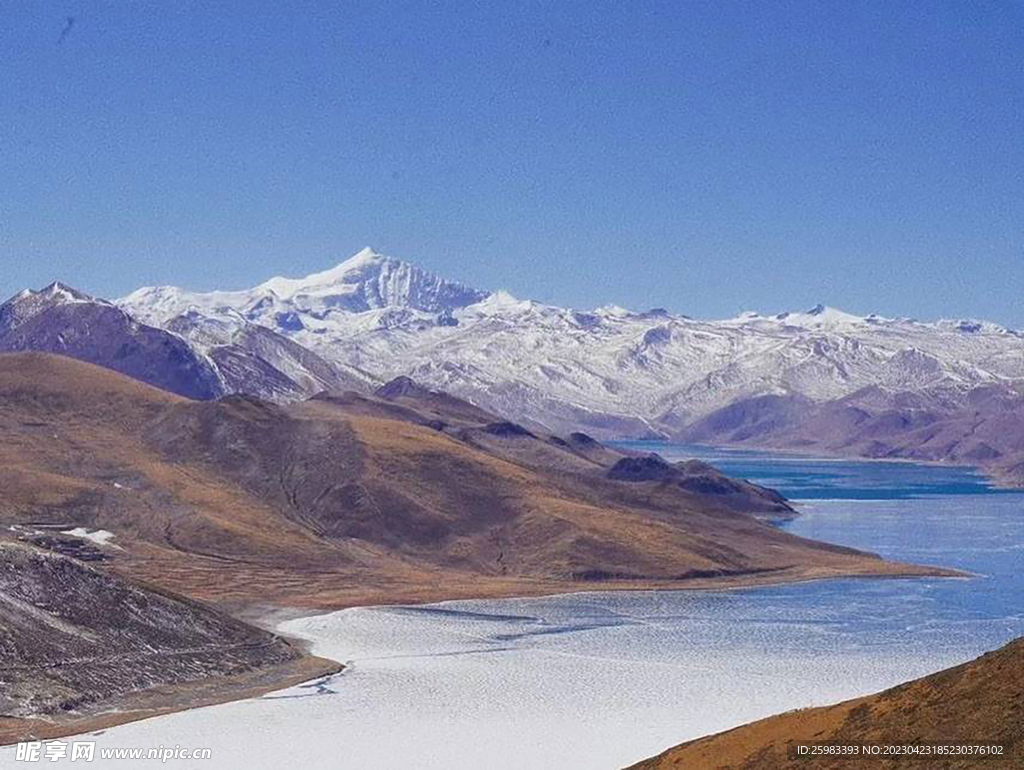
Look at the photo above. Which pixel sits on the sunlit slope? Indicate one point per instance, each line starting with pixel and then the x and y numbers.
pixel 978 702
pixel 323 504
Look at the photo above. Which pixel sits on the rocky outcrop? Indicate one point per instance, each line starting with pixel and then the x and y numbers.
pixel 702 479
pixel 72 636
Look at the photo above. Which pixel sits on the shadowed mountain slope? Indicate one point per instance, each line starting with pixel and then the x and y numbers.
pixel 192 355
pixel 59 319
pixel 75 637
pixel 978 702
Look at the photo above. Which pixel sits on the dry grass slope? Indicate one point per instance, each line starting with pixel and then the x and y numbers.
pixel 335 502
pixel 980 701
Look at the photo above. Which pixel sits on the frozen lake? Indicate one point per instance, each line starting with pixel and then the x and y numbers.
pixel 602 680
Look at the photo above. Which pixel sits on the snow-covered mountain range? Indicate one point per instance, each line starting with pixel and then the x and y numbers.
pixel 819 380
pixel 194 356
pixel 610 370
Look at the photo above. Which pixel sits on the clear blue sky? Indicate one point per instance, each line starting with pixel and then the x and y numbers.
pixel 707 157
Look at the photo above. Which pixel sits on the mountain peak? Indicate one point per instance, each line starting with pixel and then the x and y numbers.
pixel 322 301
pixel 364 256
pixel 820 315
pixel 359 262
pixel 289 287
pixel 370 280
pixel 401 386
pixel 62 292
pixel 55 293
pixel 366 264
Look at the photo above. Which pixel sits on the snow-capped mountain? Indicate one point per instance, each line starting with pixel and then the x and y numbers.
pixel 194 356
pixel 59 319
pixel 368 283
pixel 610 370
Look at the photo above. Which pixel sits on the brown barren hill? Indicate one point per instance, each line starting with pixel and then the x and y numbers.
pixel 403 496
pixel 977 702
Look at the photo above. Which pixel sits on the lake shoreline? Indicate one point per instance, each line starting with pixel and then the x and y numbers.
pixel 188 696
pixel 999 479
pixel 745 646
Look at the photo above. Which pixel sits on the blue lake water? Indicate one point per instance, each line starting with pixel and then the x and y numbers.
pixel 927 514
pixel 802 478
pixel 600 680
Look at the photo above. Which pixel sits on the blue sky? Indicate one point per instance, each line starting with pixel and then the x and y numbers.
pixel 708 157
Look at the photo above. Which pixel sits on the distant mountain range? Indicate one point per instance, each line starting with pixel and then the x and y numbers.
pixel 820 380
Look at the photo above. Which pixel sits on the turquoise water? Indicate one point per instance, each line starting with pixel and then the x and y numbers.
pixel 804 478
pixel 927 514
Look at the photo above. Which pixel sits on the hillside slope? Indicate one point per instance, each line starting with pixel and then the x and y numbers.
pixel 328 503
pixel 977 702
pixel 78 641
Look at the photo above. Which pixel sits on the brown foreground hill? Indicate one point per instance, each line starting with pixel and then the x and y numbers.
pixel 407 495
pixel 977 702
pixel 358 499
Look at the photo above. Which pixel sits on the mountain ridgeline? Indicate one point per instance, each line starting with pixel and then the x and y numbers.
pixel 820 381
